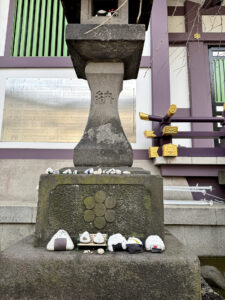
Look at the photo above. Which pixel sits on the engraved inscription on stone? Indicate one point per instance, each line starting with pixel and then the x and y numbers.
pixel 99 209
pixel 102 98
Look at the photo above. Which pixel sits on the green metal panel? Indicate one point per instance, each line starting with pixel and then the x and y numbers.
pixel 30 28
pixel 14 27
pixel 42 28
pixel 222 80
pixel 65 49
pixel 53 30
pixel 47 28
pixel 35 30
pixel 38 29
pixel 219 80
pixel 217 77
pixel 24 28
pixel 17 29
pixel 60 31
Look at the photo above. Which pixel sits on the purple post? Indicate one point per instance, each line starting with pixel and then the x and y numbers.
pixel 160 58
pixel 199 76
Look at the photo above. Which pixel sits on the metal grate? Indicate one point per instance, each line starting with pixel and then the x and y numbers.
pixel 38 29
pixel 219 76
pixel 217 68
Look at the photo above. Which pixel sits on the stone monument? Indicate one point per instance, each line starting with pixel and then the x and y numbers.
pixel 105 50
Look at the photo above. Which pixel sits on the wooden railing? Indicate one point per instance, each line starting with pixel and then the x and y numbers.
pixel 164 132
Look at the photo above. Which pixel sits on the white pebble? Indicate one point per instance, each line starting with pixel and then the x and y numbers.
pixel 68 171
pixel 126 172
pixel 111 171
pixel 118 172
pixel 100 251
pixel 89 171
pixel 49 171
pixel 87 251
pixel 99 171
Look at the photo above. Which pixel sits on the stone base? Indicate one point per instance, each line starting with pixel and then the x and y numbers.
pixel 131 204
pixel 34 273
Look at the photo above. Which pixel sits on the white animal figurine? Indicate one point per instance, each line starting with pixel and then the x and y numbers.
pixel 154 244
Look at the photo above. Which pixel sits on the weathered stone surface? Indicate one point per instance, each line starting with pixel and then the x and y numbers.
pixel 213 276
pixel 137 205
pixel 109 43
pixel 104 142
pixel 208 293
pixel 172 275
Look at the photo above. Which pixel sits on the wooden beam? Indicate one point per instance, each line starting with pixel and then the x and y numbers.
pixel 212 3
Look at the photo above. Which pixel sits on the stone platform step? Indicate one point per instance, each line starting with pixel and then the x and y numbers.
pixel 33 273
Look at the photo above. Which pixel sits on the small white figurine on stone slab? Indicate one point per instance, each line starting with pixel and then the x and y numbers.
pixel 68 171
pixel 134 245
pixel 154 244
pixel 99 238
pixel 85 237
pixel 61 241
pixel 89 171
pixel 117 242
pixel 49 171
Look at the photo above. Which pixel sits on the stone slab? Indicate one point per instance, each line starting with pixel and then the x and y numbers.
pixel 221 177
pixel 109 43
pixel 130 204
pixel 195 215
pixel 172 275
pixel 202 240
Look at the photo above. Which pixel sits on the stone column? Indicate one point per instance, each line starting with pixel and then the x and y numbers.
pixel 104 142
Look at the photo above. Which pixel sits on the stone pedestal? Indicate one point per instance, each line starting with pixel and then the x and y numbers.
pixel 34 273
pixel 104 142
pixel 129 204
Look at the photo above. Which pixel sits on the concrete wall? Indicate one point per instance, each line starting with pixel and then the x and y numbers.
pixel 176 24
pixel 179 87
pixel 213 23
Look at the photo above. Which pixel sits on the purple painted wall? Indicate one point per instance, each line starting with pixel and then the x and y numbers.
pixel 200 94
pixel 53 154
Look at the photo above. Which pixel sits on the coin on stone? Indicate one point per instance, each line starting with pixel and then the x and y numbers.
pixel 110 215
pixel 100 196
pixel 110 202
pixel 99 209
pixel 89 202
pixel 99 222
pixel 89 215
